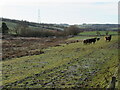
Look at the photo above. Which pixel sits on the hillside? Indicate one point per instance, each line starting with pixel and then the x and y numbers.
pixel 51 56
pixel 86 27
pixel 12 23
pixel 65 66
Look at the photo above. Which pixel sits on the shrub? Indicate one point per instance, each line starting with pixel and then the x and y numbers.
pixel 72 30
pixel 4 28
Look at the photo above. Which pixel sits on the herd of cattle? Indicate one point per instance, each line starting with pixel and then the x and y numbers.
pixel 93 40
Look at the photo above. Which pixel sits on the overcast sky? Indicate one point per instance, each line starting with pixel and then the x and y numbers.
pixel 61 11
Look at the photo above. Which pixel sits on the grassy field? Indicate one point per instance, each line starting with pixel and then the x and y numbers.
pixel 64 66
pixel 80 38
pixel 101 32
pixel 13 26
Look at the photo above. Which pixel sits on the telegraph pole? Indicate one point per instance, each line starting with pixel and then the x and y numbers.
pixel 39 19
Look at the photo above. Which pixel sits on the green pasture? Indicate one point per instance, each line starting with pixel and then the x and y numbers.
pixel 64 66
pixel 79 38
pixel 11 25
pixel 95 32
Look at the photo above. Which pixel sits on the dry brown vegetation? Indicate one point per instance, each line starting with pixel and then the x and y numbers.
pixel 13 47
pixel 22 46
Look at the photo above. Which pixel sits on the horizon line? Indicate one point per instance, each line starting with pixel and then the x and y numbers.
pixel 55 23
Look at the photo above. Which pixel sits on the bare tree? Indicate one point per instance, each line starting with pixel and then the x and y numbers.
pixel 72 30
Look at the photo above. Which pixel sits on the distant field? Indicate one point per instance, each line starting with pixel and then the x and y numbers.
pixel 79 38
pixel 101 32
pixel 10 25
pixel 65 66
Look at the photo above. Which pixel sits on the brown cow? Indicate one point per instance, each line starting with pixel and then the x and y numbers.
pixel 108 38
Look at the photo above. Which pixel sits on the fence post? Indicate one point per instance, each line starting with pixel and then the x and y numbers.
pixel 112 83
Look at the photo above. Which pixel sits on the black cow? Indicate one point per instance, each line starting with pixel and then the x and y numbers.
pixel 92 40
pixel 98 39
pixel 86 41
